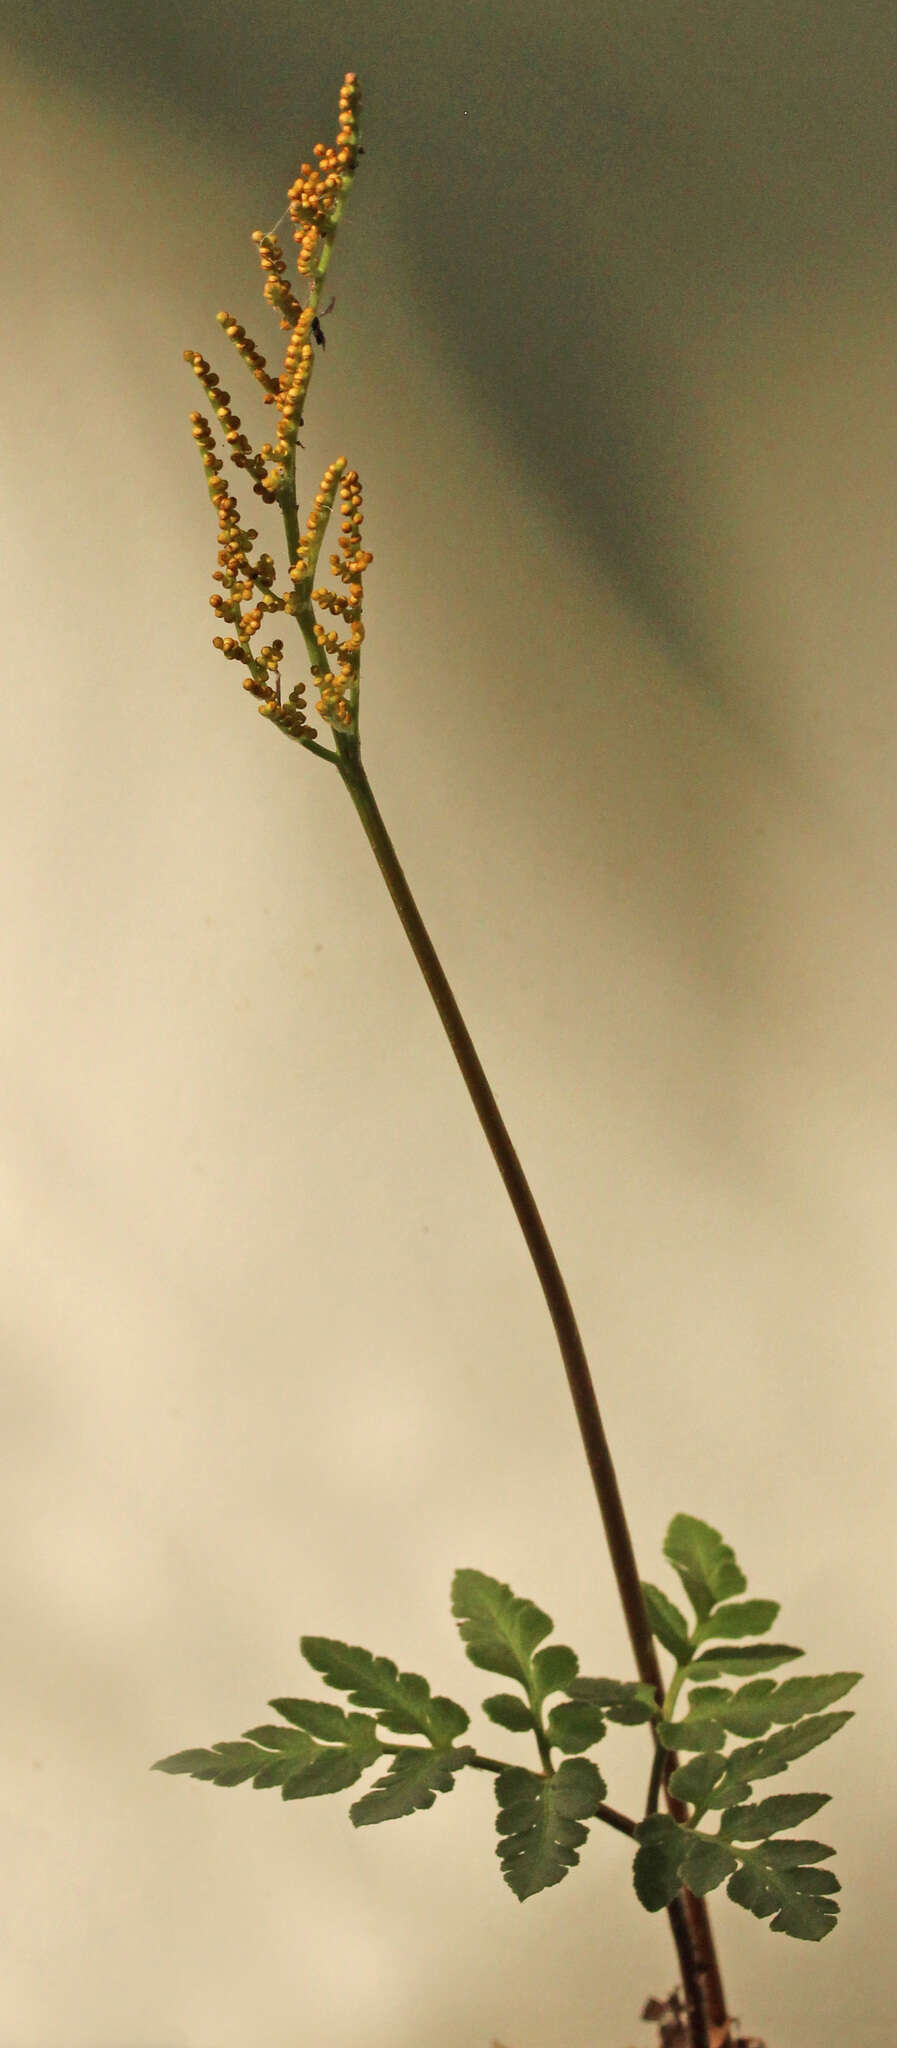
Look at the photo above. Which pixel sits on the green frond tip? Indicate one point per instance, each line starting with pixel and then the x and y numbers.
pixel 287 1757
pixel 798 1896
pixel 667 1623
pixel 705 1564
pixel 540 1822
pixel 500 1632
pixel 401 1699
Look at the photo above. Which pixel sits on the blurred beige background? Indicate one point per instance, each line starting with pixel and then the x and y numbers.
pixel 614 350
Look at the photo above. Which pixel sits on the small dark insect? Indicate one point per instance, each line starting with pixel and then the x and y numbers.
pixel 317 329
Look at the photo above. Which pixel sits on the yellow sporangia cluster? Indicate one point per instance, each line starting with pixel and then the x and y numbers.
pixel 338 701
pixel 316 198
pixel 247 593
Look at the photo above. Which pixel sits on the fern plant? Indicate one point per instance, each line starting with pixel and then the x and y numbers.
pixel 701 1827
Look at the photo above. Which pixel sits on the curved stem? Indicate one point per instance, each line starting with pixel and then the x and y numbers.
pixel 312 747
pixel 691 1913
pixel 541 1251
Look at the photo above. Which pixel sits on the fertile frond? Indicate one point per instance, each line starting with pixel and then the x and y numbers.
pixel 248 593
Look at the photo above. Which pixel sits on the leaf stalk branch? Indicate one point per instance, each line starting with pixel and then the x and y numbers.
pixel 608 1814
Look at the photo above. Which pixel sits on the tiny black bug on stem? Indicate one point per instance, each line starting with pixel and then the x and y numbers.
pixel 317 329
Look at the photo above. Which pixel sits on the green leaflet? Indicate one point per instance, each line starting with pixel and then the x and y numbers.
pixel 411 1783
pixel 329 1723
pixel 781 1810
pixel 331 1771
pixel 669 1856
pixel 574 1725
pixel 704 1726
pixel 788 1852
pixel 626 1700
pixel 705 1863
pixel 799 1696
pixel 797 1896
pixel 510 1712
pixel 402 1699
pixel 500 1632
pixel 288 1757
pixel 739 1618
pixel 709 1573
pixel 718 1780
pixel 580 1720
pixel 555 1667
pixel 359 1737
pixel 715 1711
pixel 740 1661
pixel 691 1733
pixel 695 1780
pixel 752 1710
pixel 774 1753
pixel 705 1564
pixel 667 1624
pixel 748 1711
pixel 540 1822
pixel 655 1872
pixel 231 1763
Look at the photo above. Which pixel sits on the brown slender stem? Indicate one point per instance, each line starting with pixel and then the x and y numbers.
pixel 558 1301
pixel 613 1819
pixel 692 1913
pixel 691 1975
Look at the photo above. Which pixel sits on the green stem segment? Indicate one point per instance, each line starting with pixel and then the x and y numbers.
pixel 664 1760
pixel 688 1915
pixel 544 1747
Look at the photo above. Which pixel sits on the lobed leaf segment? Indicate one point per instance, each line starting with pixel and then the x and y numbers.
pixel 542 1813
pixel 768 1875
